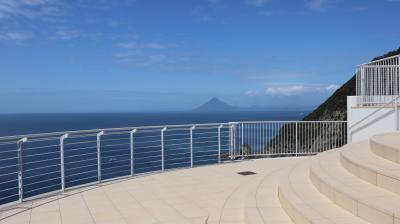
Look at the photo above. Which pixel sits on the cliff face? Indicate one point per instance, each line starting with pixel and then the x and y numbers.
pixel 319 136
pixel 335 107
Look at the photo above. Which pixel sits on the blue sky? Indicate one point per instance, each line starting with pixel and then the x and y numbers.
pixel 148 55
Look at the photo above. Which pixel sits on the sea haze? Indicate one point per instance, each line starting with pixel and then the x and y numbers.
pixel 15 124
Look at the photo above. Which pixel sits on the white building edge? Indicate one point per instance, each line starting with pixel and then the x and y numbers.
pixel 374 109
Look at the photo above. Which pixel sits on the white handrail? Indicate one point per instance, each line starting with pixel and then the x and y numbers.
pixel 376 111
pixel 383 59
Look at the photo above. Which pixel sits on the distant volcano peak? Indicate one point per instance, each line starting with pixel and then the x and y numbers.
pixel 215 105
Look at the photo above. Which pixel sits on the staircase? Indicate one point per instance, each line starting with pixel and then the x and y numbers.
pixel 358 183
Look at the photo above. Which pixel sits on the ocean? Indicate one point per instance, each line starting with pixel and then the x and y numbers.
pixel 16 124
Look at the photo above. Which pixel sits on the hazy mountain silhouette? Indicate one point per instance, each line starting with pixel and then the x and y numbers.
pixel 215 105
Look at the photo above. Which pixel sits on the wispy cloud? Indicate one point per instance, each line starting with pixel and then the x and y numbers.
pixel 30 9
pixel 256 3
pixel 16 36
pixel 318 5
pixel 292 90
pixel 151 54
pixel 300 89
pixel 148 45
pixel 67 34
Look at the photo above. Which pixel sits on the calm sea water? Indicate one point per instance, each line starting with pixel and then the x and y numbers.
pixel 15 124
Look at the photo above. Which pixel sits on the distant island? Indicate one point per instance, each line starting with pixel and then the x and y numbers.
pixel 217 105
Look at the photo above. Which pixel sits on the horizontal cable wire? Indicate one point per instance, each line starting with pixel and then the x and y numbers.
pixel 39 168
pixel 37 189
pixel 80 179
pixel 80 173
pixel 79 167
pixel 42 181
pixel 42 174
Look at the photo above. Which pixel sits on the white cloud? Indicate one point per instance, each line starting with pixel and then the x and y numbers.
pixel 292 90
pixel 150 45
pixel 67 34
pixel 128 45
pixel 285 90
pixel 16 36
pixel 30 9
pixel 332 88
pixel 318 5
pixel 256 3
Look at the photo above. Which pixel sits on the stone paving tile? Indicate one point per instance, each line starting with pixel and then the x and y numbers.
pixel 216 194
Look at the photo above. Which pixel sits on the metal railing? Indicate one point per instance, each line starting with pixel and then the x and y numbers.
pixel 287 138
pixel 378 82
pixel 36 164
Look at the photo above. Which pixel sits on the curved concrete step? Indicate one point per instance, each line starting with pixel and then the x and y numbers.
pixel 361 162
pixel 262 203
pixel 304 204
pixel 373 204
pixel 387 146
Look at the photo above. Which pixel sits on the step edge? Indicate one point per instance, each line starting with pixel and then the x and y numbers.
pixel 355 202
pixel 376 147
pixel 383 179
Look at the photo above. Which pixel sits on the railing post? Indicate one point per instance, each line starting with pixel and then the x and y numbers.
pixel 297 136
pixel 162 148
pixel 99 156
pixel 219 143
pixel 131 138
pixel 241 148
pixel 20 168
pixel 191 145
pixel 396 114
pixel 62 138
pixel 231 147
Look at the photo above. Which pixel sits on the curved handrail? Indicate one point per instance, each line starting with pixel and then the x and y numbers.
pixel 60 133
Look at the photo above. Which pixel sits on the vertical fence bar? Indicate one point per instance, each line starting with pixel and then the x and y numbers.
pixel 219 143
pixel 62 138
pixel 231 141
pixel 296 136
pixel 162 148
pixel 396 114
pixel 132 151
pixel 241 140
pixel 191 145
pixel 99 156
pixel 20 168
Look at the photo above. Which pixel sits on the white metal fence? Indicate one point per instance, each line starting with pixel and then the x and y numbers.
pixel 36 164
pixel 287 138
pixel 378 82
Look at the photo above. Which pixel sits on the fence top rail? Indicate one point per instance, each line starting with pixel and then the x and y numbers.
pixel 89 132
pixel 251 122
pixel 377 66
pixel 114 130
pixel 377 61
pixel 111 131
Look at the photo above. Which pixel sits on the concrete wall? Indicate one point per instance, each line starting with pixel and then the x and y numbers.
pixel 381 122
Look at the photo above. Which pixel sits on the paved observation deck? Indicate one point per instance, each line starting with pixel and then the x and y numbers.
pixel 357 183
pixel 208 194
